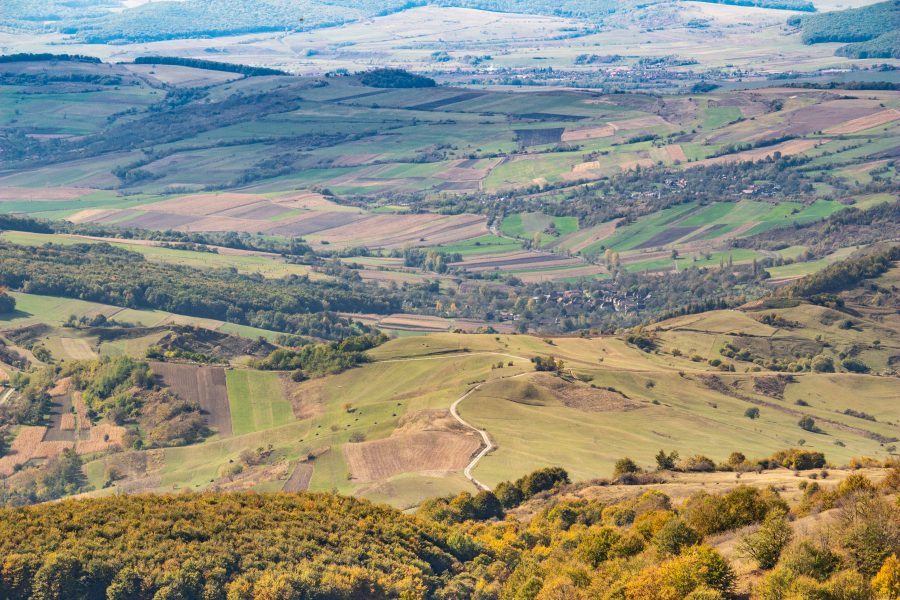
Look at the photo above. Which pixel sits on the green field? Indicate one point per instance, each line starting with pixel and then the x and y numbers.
pixel 257 401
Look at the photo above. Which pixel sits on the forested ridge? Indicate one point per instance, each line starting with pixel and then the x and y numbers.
pixel 104 273
pixel 208 65
pixel 870 31
pixel 237 546
pixel 848 227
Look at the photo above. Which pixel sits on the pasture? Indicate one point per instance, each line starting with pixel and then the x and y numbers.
pixel 256 400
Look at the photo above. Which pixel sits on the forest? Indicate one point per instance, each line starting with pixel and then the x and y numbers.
pixel 323 546
pixel 848 227
pixel 107 274
pixel 871 30
pixel 209 65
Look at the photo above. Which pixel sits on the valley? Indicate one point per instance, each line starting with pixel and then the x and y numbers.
pixel 492 299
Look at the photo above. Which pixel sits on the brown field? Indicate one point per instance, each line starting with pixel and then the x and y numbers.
pixel 306 398
pixel 204 385
pixel 415 323
pixel 77 349
pixel 592 165
pixel 81 411
pixel 867 122
pixel 538 276
pixel 202 204
pixel 44 193
pixel 300 478
pixel 647 122
pixel 460 170
pixel 676 152
pixel 101 438
pixel 599 232
pixel 386 231
pixel 630 165
pixel 472 325
pixel 93 215
pixel 582 397
pixel 520 260
pixel 67 422
pixel 386 277
pixel 577 135
pixel 29 444
pixel 425 442
pixel 786 148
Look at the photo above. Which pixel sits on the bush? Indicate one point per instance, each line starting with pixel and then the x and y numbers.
pixel 823 364
pixel 542 480
pixel 699 571
pixel 811 559
pixel 486 506
pixel 886 583
pixel 596 545
pixel 854 365
pixel 766 543
pixel 752 413
pixel 509 494
pixel 698 464
pixel 808 424
pixel 741 506
pixel 625 466
pixel 798 460
pixel 674 536
pixel 7 303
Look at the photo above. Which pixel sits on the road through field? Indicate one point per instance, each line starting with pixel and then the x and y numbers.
pixel 488 444
pixel 485 438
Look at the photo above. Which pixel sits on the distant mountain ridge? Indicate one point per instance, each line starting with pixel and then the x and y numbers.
pixel 158 21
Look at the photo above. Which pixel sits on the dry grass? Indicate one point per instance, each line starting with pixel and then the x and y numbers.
pixel 429 441
pixel 577 135
pixel 867 122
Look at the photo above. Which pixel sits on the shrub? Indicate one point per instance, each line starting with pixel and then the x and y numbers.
pixel 752 413
pixel 698 463
pixel 808 424
pixel 666 462
pixel 766 543
pixel 699 570
pixel 542 480
pixel 486 506
pixel 812 559
pixel 509 494
pixel 625 466
pixel 886 583
pixel 597 544
pixel 741 506
pixel 854 365
pixel 799 460
pixel 869 530
pixel 674 536
pixel 822 364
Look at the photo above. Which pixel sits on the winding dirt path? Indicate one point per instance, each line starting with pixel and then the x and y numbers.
pixel 485 438
pixel 488 445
